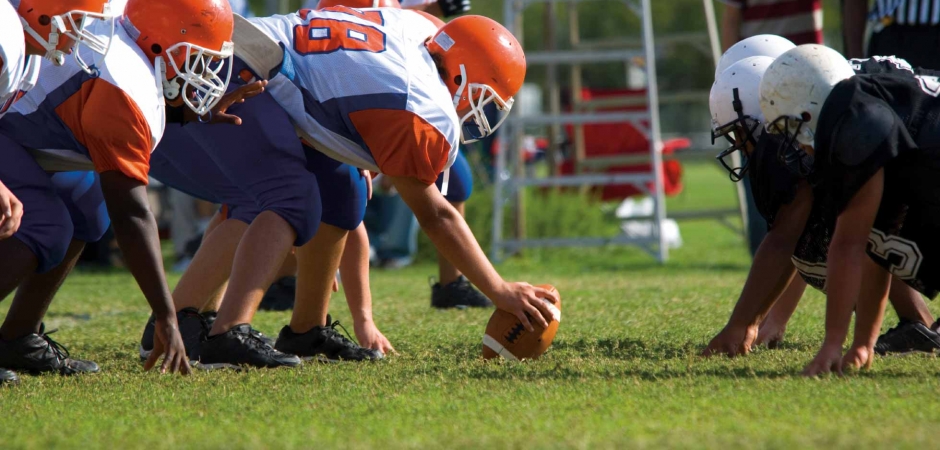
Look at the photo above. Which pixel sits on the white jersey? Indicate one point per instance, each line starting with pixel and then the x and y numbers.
pixel 73 121
pixel 361 87
pixel 312 4
pixel 18 72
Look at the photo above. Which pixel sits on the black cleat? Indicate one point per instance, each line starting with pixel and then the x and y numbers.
pixel 8 377
pixel 458 294
pixel 908 337
pixel 239 347
pixel 193 328
pixel 280 296
pixel 38 353
pixel 324 344
pixel 210 316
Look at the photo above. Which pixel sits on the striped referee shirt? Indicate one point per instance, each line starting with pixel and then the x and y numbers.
pixel 797 20
pixel 906 12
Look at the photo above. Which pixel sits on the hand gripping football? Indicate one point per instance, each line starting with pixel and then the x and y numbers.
pixel 507 337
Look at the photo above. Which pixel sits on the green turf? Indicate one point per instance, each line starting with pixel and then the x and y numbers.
pixel 623 371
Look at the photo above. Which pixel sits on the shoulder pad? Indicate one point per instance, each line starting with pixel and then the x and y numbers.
pixel 861 131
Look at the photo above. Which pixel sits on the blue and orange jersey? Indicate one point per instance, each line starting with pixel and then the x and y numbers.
pixel 17 71
pixel 361 87
pixel 73 121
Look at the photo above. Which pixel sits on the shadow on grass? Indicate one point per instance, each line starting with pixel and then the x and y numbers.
pixel 67 317
pixel 623 358
pixel 565 372
pixel 650 266
pixel 617 349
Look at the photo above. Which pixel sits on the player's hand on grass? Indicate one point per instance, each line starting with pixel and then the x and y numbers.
pixel 167 340
pixel 771 334
pixel 370 337
pixel 732 341
pixel 218 115
pixel 11 212
pixel 828 360
pixel 858 357
pixel 525 302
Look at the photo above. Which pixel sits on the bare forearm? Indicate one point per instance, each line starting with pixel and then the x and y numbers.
pixel 769 276
pixel 854 15
pixel 786 303
pixel 871 304
pixel 848 258
pixel 137 237
pixel 843 288
pixel 136 231
pixel 354 270
pixel 450 234
pixel 454 240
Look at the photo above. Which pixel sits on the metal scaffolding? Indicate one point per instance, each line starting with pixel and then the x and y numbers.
pixel 511 179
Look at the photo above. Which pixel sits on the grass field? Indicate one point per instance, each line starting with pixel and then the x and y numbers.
pixel 623 372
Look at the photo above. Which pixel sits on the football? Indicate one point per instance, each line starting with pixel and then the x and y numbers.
pixel 506 336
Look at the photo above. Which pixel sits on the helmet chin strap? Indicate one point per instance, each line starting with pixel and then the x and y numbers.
pixel 52 54
pixel 170 88
pixel 806 136
pixel 463 85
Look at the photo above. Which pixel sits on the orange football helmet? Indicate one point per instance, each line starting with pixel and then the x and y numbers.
pixel 359 4
pixel 481 63
pixel 57 26
pixel 194 38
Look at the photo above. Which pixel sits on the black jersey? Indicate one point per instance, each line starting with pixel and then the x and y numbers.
pixel 773 185
pixel 891 122
pixel 881 64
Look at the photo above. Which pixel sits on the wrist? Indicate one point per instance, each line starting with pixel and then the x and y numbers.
pixel 860 342
pixel 833 341
pixel 497 290
pixel 169 319
pixel 737 322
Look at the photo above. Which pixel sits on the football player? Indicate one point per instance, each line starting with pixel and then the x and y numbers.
pixel 868 145
pixel 451 289
pixel 12 71
pixel 30 29
pixel 343 191
pixel 735 108
pixel 400 122
pixel 107 116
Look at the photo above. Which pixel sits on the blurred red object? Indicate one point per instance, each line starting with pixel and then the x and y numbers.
pixel 611 139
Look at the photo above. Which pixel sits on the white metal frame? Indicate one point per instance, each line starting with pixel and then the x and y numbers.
pixel 509 180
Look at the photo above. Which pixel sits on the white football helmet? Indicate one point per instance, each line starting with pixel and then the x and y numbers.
pixel 761 45
pixel 793 91
pixel 734 102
